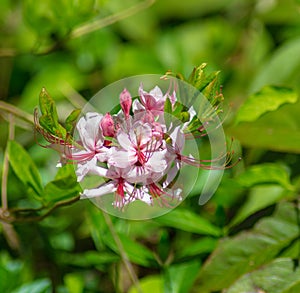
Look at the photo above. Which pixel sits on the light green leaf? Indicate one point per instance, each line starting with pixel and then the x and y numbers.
pixel 249 250
pixel 49 118
pixel 283 65
pixel 276 131
pixel 24 167
pixel 150 284
pixel 279 276
pixel 188 221
pixel 265 173
pixel 74 282
pixel 37 286
pixel 268 99
pixel 65 185
pixel 179 278
pixel 259 197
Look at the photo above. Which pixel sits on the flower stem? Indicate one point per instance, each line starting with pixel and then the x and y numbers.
pixel 123 253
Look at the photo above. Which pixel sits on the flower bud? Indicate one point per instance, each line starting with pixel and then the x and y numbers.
pixel 107 125
pixel 125 101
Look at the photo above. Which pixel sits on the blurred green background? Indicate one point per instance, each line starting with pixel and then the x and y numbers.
pixel 76 47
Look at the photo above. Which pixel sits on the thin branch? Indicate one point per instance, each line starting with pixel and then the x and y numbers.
pixel 16 112
pixel 13 215
pixel 84 29
pixel 123 253
pixel 11 134
pixel 101 23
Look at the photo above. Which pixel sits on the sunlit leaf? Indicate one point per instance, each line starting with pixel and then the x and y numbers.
pixel 277 130
pixel 265 173
pixel 74 282
pixel 259 197
pixel 268 99
pixel 149 284
pixel 37 286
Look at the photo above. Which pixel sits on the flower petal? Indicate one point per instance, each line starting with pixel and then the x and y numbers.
pixel 102 190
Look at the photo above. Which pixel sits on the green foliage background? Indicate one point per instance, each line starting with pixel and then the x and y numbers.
pixel 245 239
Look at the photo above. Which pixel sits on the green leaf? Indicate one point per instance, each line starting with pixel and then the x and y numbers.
pixel 88 258
pixel 179 278
pixel 74 282
pixel 64 186
pixel 37 286
pixel 259 197
pixel 49 118
pixel 276 131
pixel 188 221
pixel 249 250
pixel 279 276
pixel 71 120
pixel 268 99
pixel 136 252
pixel 24 167
pixel 265 173
pixel 150 284
pixel 203 245
pixel 283 65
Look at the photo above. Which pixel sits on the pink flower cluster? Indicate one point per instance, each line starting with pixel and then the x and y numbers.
pixel 135 151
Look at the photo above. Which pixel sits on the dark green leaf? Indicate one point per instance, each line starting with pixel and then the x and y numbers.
pixel 279 276
pixel 197 247
pixel 247 251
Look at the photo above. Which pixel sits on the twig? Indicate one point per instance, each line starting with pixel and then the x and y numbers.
pixel 16 112
pixel 123 253
pixel 9 231
pixel 8 216
pixel 11 134
pixel 100 23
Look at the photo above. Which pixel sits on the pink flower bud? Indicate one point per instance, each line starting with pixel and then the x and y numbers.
pixel 107 125
pixel 125 101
